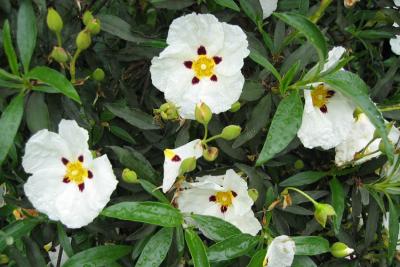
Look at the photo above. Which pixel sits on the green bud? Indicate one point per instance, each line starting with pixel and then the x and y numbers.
pixel 202 113
pixel 322 212
pixel 231 132
pixel 187 165
pixel 93 26
pixel 211 153
pixel 87 17
pixel 9 240
pixel 341 250
pixel 54 20
pixel 298 164
pixel 235 106
pixel 167 111
pixel 98 75
pixel 59 54
pixel 4 259
pixel 83 40
pixel 129 176
pixel 253 194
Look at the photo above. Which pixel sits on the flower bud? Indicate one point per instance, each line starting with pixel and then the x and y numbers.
pixel 253 194
pixel 83 40
pixel 211 153
pixel 298 164
pixel 231 132
pixel 98 75
pixel 322 211
pixel 235 106
pixel 187 165
pixel 129 176
pixel 341 250
pixel 4 259
pixel 93 26
pixel 167 111
pixel 202 113
pixel 54 20
pixel 87 17
pixel 59 54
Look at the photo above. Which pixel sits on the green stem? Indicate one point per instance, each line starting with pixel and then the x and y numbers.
pixel 205 132
pixel 72 69
pixel 304 194
pixel 320 11
pixel 390 108
pixel 59 40
pixel 211 138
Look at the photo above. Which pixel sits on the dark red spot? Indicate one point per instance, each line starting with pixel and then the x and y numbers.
pixel 195 80
pixel 176 158
pixel 81 187
pixel 212 198
pixel 201 50
pixel 188 64
pixel 323 109
pixel 224 209
pixel 89 174
pixel 214 78
pixel 66 180
pixel 217 60
pixel 80 158
pixel 64 161
pixel 330 93
pixel 234 194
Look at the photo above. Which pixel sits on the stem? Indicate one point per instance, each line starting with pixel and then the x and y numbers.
pixel 320 11
pixel 304 194
pixel 205 132
pixel 211 138
pixel 59 40
pixel 390 108
pixel 72 69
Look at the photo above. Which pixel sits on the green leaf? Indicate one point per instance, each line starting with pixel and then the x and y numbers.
pixel 393 229
pixel 196 249
pixel 215 228
pixel 33 252
pixel 26 32
pixel 64 240
pixel 148 212
pixel 16 230
pixel 303 261
pixel 309 29
pixel 156 249
pixel 252 9
pixel 9 49
pixel 263 61
pixel 56 80
pixel 338 198
pixel 9 124
pixel 258 258
pixel 37 113
pixel 354 88
pixel 98 256
pixel 284 127
pixel 232 247
pixel 288 78
pixel 310 245
pixel 229 4
pixel 153 190
pixel 303 178
pixel 122 134
pixel 133 116
pixel 4 75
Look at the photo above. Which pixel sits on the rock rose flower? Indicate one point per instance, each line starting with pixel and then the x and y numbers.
pixel 280 252
pixel 202 63
pixel 67 184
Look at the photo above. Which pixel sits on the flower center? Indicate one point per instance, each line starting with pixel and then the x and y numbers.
pixel 320 97
pixel 203 66
pixel 76 172
pixel 224 198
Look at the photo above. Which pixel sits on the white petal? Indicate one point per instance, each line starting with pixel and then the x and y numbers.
pixel 334 56
pixel 196 200
pixel 171 168
pixel 247 223
pixel 268 7
pixel 242 202
pixel 280 252
pixel 397 2
pixel 53 255
pixel 76 137
pixel 395 45
pixel 44 150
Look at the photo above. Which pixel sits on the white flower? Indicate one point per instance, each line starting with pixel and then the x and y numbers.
pixel 175 157
pixel 395 42
pixel 268 7
pixel 67 184
pixel 222 196
pixel 53 255
pixel 361 134
pixel 397 2
pixel 280 252
pixel 202 63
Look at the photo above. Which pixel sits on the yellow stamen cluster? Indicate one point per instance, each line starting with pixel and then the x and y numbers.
pixel 203 66
pixel 76 172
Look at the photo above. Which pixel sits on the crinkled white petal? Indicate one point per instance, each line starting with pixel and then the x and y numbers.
pixel 196 200
pixel 397 2
pixel 171 168
pixel 334 56
pixel 53 255
pixel 280 252
pixel 76 138
pixel 242 202
pixel 268 7
pixel 395 45
pixel 247 223
pixel 326 130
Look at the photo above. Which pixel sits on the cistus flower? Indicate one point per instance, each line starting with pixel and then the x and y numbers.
pixel 174 159
pixel 358 146
pixel 223 196
pixel 395 42
pixel 202 64
pixel 280 252
pixel 268 7
pixel 328 115
pixel 67 184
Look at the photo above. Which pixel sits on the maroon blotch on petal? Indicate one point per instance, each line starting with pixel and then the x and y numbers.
pixel 234 194
pixel 89 174
pixel 66 180
pixel 81 187
pixel 195 80
pixel 201 50
pixel 212 198
pixel 323 109
pixel 217 60
pixel 64 161
pixel 176 158
pixel 224 209
pixel 214 78
pixel 188 64
pixel 80 158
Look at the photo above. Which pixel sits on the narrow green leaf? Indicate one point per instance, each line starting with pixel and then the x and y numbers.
pixel 215 228
pixel 263 61
pixel 284 127
pixel 153 190
pixel 37 113
pixel 148 212
pixel 311 245
pixel 4 75
pixel 353 87
pixel 122 134
pixel 229 4
pixel 33 252
pixel 98 256
pixel 9 124
pixel 9 49
pixel 258 258
pixel 393 230
pixel 252 9
pixel 64 240
pixel 303 178
pixel 196 249
pixel 156 249
pixel 288 78
pixel 232 247
pixel 56 80
pixel 17 230
pixel 26 32
pixel 338 199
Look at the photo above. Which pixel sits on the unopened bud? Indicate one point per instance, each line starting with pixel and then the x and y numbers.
pixel 202 113
pixel 341 250
pixel 322 212
pixel 129 176
pixel 98 75
pixel 187 165
pixel 298 164
pixel 211 153
pixel 54 20
pixel 231 132
pixel 167 111
pixel 83 40
pixel 93 26
pixel 4 259
pixel 87 17
pixel 253 194
pixel 235 106
pixel 59 54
